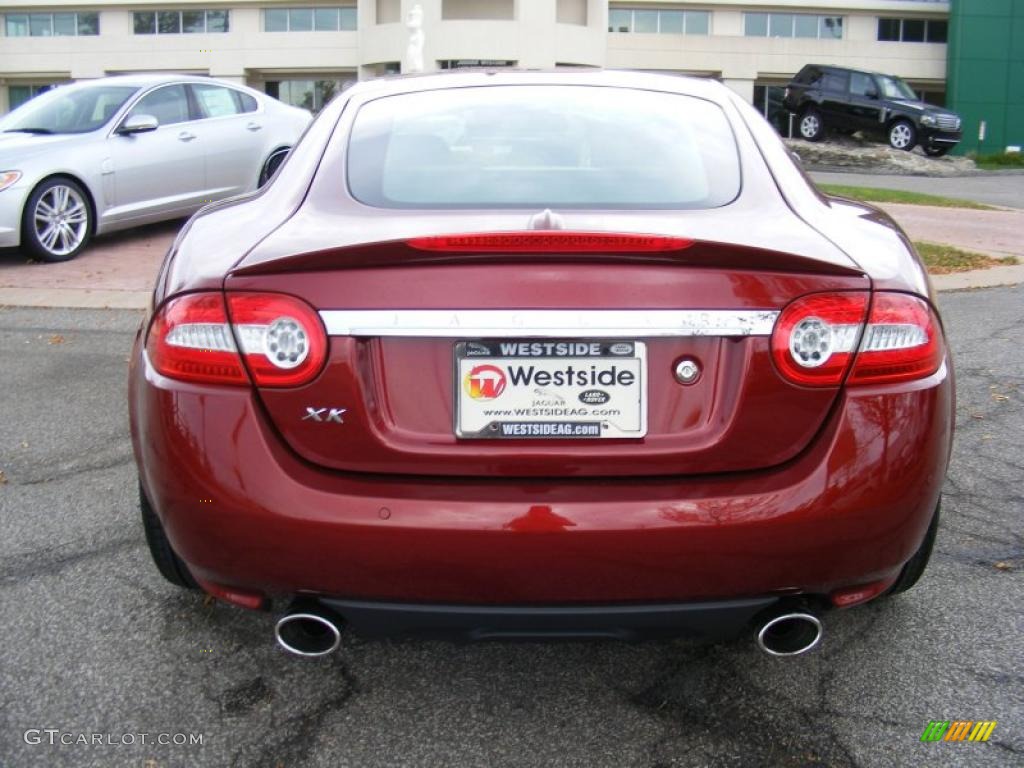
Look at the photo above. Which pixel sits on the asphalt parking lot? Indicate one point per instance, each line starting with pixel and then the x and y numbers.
pixel 94 642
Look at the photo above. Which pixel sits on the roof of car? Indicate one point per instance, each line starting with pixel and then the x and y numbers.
pixel 147 79
pixel 463 78
pixel 836 67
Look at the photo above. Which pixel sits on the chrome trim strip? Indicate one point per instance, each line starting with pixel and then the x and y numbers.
pixel 548 323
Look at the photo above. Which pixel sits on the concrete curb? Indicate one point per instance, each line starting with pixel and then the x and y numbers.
pixel 1011 274
pixel 74 298
pixel 870 171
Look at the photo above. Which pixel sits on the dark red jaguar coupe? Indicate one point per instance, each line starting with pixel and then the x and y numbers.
pixel 529 354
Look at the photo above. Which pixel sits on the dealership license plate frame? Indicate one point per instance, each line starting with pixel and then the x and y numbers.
pixel 481 351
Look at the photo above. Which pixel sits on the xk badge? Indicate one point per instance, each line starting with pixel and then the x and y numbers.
pixel 325 414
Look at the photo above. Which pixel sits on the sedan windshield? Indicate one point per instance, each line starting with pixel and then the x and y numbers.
pixel 68 110
pixel 542 146
pixel 894 88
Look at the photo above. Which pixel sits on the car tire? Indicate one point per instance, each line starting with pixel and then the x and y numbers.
pixel 915 566
pixel 811 126
pixel 171 566
pixel 58 221
pixel 902 135
pixel 936 151
pixel 272 164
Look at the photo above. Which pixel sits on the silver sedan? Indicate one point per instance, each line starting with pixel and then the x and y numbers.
pixel 118 152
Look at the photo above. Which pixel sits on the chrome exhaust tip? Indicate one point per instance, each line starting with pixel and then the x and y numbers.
pixel 790 634
pixel 310 633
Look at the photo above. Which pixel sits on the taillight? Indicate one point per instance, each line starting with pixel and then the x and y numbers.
pixel 550 241
pixel 817 337
pixel 281 339
pixel 190 340
pixel 902 341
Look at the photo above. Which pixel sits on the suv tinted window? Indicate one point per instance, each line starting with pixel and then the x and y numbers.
pixel 862 84
pixel 808 75
pixel 834 81
pixel 539 146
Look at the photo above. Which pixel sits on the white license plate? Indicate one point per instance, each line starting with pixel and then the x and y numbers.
pixel 556 389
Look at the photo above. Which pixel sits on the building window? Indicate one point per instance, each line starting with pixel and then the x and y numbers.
pixel 474 63
pixel 52 24
pixel 913 30
pixel 664 22
pixel 792 25
pixel 19 94
pixel 307 94
pixel 309 19
pixel 768 101
pixel 179 22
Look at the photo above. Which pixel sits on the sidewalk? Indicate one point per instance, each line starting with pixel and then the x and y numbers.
pixel 116 271
pixel 996 233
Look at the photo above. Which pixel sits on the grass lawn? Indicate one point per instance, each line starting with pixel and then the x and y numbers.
pixel 944 259
pixel 998 162
pixel 875 195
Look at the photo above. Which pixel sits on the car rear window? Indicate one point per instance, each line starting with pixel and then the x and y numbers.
pixel 538 146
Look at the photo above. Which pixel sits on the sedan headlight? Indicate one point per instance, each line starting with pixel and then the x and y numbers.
pixel 7 178
pixel 929 120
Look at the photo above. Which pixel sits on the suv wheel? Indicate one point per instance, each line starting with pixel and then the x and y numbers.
pixel 812 127
pixel 936 151
pixel 902 135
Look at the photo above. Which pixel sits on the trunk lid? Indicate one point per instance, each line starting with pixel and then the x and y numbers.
pixel 398 316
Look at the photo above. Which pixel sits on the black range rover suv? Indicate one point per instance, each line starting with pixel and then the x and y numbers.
pixel 849 100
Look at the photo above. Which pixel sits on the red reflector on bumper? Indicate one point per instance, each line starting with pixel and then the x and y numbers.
pixel 243 598
pixel 550 241
pixel 844 598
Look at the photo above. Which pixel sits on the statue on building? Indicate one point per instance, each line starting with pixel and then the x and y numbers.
pixel 414 51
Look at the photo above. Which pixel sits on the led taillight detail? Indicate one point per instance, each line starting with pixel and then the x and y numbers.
pixel 817 337
pixel 197 338
pixel 814 337
pixel 190 340
pixel 282 338
pixel 902 342
pixel 550 241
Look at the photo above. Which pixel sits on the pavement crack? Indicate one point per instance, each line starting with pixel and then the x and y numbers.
pixel 27 565
pixel 296 733
pixel 72 469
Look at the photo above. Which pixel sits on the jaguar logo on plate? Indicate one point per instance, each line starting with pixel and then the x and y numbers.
pixel 484 382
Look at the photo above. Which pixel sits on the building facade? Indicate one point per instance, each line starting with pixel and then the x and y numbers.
pixel 986 73
pixel 304 51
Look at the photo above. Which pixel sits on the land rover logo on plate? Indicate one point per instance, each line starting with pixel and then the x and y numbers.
pixel 595 397
pixel 559 388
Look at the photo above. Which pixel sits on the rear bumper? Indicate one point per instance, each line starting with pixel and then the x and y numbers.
pixel 620 622
pixel 242 510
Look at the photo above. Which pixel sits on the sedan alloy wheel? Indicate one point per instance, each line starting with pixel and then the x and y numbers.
pixel 58 220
